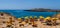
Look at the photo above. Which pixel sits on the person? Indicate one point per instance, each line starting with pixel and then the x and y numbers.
pixel 54 21
pixel 34 24
pixel 35 18
pixel 41 19
pixel 26 19
pixel 20 20
pixel 22 24
pixel 9 24
pixel 48 20
pixel 31 20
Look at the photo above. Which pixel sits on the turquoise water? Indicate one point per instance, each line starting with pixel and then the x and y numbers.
pixel 21 13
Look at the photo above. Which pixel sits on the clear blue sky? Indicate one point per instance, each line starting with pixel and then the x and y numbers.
pixel 28 4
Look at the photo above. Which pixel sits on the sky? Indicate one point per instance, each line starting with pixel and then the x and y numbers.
pixel 29 4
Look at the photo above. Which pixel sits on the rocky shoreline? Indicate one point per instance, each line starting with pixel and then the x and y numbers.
pixel 42 10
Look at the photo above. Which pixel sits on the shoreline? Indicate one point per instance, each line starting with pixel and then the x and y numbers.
pixel 42 10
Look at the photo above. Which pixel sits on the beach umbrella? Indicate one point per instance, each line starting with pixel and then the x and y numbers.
pixel 54 18
pixel 35 16
pixel 41 17
pixel 26 17
pixel 19 19
pixel 22 18
pixel 48 18
pixel 31 17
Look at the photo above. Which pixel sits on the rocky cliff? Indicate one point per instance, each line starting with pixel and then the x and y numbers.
pixel 42 10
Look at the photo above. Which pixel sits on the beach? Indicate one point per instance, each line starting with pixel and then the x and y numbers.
pixel 9 21
pixel 39 25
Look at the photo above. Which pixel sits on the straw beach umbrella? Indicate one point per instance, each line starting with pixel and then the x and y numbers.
pixel 19 19
pixel 48 20
pixel 41 18
pixel 26 19
pixel 35 16
pixel 31 17
pixel 54 20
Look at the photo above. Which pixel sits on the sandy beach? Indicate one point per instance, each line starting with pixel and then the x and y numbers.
pixel 8 21
pixel 39 25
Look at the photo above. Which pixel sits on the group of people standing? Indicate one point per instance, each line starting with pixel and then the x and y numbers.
pixel 33 21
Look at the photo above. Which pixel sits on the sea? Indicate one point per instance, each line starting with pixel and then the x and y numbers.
pixel 21 13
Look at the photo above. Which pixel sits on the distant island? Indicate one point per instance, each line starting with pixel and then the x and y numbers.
pixel 42 10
